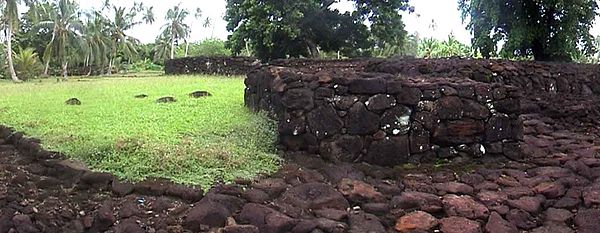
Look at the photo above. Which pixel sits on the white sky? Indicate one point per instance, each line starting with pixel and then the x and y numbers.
pixel 444 13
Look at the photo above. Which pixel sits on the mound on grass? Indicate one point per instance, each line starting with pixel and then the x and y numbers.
pixel 191 141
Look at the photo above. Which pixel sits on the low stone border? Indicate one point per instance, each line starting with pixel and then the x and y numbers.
pixel 56 165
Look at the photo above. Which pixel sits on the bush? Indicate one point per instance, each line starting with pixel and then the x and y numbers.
pixel 27 64
pixel 206 48
pixel 145 65
pixel 433 48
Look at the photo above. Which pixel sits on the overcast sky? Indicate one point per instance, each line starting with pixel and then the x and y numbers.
pixel 443 13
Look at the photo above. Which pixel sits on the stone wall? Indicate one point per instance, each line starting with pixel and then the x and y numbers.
pixel 532 77
pixel 344 114
pixel 211 65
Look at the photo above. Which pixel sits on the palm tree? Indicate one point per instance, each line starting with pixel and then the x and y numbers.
pixel 97 41
pixel 197 15
pixel 208 23
pixel 66 31
pixel 26 63
pixel 162 48
pixel 429 47
pixel 10 22
pixel 149 15
pixel 125 19
pixel 175 28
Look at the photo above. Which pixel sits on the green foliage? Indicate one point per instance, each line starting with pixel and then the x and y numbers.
pixel 27 64
pixel 387 27
pixel 161 50
pixel 208 48
pixel 292 28
pixel 97 44
pixel 433 48
pixel 175 29
pixel 581 57
pixel 66 33
pixel 145 65
pixel 10 14
pixel 547 30
pixel 192 141
pixel 30 35
pixel 410 48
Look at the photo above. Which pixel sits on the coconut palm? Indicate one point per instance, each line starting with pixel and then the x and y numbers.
pixel 97 41
pixel 10 23
pixel 175 28
pixel 208 23
pixel 66 34
pixel 197 15
pixel 125 19
pixel 162 48
pixel 149 15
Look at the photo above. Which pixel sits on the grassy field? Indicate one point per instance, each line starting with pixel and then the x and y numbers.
pixel 192 141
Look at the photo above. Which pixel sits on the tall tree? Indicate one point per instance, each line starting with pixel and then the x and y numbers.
pixel 30 34
pixel 208 22
pixel 162 49
pixel 10 22
pixel 278 29
pixel 197 16
pixel 387 27
pixel 66 34
pixel 545 29
pixel 124 19
pixel 97 41
pixel 175 28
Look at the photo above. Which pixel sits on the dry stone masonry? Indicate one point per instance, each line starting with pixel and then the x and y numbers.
pixel 211 65
pixel 555 189
pixel 532 77
pixel 343 114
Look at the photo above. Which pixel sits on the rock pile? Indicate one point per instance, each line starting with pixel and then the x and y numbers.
pixel 73 101
pixel 166 99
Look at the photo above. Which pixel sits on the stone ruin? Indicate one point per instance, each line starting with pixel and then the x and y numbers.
pixel 352 112
pixel 211 65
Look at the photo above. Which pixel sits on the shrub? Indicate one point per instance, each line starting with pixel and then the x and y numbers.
pixel 145 65
pixel 208 48
pixel 433 48
pixel 27 64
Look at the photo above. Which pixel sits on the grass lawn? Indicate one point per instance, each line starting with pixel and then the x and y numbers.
pixel 192 141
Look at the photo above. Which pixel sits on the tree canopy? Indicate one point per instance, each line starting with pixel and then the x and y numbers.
pixel 544 29
pixel 293 28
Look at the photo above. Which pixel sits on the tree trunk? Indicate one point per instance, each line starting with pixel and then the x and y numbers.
pixel 187 47
pixel 87 64
pixel 172 46
pixel 312 49
pixel 11 67
pixel 65 70
pixel 248 53
pixel 110 63
pixel 47 66
pixel 48 61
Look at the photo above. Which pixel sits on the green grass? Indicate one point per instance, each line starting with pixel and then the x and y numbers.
pixel 192 141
